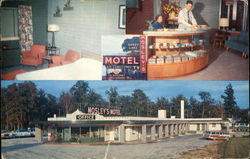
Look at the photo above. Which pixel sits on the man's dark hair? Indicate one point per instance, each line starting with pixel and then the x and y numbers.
pixel 189 2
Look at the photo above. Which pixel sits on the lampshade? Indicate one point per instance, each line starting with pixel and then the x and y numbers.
pixel 53 27
pixel 224 22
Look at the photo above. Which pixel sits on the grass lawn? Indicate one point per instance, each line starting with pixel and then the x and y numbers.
pixel 235 148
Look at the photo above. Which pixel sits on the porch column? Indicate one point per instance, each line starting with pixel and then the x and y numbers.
pixel 171 129
pixel 188 126
pixel 180 129
pixel 185 128
pixel 160 131
pixel 152 132
pixel 166 130
pixel 122 134
pixel 38 133
pixel 207 127
pixel 176 129
pixel 144 133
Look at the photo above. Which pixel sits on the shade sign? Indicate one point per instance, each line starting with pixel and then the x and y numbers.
pixel 120 60
pixel 103 111
pixel 143 64
pixel 85 117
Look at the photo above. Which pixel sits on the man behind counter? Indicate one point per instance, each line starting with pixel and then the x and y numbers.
pixel 186 18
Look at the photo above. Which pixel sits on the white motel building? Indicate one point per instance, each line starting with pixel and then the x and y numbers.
pixel 87 128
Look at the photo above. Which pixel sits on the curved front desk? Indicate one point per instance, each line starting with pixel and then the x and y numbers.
pixel 175 52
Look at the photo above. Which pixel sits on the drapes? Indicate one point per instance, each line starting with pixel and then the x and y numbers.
pixel 25 27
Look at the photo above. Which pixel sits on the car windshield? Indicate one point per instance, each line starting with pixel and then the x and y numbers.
pixel 32 129
pixel 21 130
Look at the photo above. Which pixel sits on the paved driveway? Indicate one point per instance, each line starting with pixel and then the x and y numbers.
pixel 168 148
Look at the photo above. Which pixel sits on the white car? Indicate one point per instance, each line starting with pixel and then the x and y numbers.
pixel 21 133
pixel 5 134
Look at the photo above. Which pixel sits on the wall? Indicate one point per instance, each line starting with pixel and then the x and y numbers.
pixel 82 28
pixel 109 133
pixel 136 18
pixel 206 12
pixel 217 127
pixel 193 127
pixel 39 17
pixel 132 133
pixel 40 20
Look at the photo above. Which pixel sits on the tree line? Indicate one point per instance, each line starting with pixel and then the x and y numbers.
pixel 23 102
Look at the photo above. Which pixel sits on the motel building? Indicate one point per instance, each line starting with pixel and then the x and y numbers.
pixel 80 127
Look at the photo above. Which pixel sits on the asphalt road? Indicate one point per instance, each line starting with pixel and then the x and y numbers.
pixel 168 148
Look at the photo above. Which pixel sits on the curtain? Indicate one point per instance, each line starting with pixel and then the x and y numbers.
pixel 25 27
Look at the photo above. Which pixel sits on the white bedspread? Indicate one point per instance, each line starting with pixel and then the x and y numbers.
pixel 82 69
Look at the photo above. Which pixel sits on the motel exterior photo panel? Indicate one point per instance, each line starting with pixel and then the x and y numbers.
pixel 121 129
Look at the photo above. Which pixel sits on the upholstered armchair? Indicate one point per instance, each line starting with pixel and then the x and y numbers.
pixel 34 56
pixel 70 57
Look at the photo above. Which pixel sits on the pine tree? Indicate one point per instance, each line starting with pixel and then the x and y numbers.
pixel 229 102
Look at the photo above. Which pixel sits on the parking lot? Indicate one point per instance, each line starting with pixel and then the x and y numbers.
pixel 28 148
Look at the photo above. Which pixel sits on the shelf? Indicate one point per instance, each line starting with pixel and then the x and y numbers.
pixel 9 38
pixel 166 70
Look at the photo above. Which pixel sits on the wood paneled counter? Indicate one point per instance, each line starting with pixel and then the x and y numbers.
pixel 175 53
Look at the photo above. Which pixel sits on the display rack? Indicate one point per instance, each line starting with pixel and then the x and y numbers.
pixel 175 52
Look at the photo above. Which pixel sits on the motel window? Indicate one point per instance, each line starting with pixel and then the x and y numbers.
pixel 213 125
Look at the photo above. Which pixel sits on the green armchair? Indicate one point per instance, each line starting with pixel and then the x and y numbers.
pixel 239 43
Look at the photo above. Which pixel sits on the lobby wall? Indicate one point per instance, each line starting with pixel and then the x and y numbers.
pixel 136 18
pixel 83 27
pixel 206 12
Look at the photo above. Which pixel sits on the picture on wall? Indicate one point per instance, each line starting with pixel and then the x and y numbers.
pixel 122 17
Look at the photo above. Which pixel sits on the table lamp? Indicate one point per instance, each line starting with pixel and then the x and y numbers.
pixel 224 23
pixel 53 28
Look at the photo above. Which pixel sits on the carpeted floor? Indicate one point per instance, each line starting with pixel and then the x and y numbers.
pixel 224 65
pixel 10 70
pixel 11 75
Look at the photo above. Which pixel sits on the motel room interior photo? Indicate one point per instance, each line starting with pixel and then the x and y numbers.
pixel 63 39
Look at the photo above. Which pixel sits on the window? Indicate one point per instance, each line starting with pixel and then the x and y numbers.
pixel 213 125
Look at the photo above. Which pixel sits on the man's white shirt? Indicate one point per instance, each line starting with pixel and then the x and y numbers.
pixel 183 19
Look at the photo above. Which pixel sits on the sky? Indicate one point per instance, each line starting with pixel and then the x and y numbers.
pixel 153 89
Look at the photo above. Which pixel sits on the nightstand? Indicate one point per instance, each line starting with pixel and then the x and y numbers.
pixel 53 51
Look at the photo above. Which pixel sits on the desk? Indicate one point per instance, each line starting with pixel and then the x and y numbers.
pixel 220 38
pixel 53 51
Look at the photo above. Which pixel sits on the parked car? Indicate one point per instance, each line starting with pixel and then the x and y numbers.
pixel 217 135
pixel 32 132
pixel 21 133
pixel 5 134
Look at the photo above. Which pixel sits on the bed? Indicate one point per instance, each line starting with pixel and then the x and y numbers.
pixel 86 68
